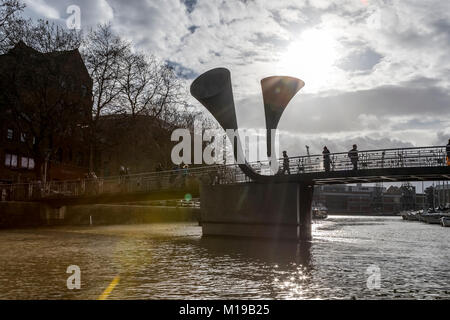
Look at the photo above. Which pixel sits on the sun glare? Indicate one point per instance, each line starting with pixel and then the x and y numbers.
pixel 311 58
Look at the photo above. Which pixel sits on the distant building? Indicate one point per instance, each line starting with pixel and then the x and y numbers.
pixel 138 143
pixel 362 199
pixel 37 77
pixel 442 194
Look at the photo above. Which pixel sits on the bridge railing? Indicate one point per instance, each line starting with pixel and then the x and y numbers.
pixel 221 174
pixel 371 159
pixel 131 183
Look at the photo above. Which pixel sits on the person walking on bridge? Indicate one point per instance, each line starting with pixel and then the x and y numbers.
pixel 353 155
pixel 447 148
pixel 326 159
pixel 285 163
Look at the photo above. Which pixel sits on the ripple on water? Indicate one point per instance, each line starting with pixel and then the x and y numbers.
pixel 173 261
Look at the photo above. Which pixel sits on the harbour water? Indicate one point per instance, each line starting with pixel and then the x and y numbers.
pixel 173 261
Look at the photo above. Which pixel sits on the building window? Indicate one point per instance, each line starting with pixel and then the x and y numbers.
pixel 24 162
pixel 11 160
pixel 30 163
pixel 7 160
pixel 27 163
pixel 10 134
pixel 23 137
pixel 14 161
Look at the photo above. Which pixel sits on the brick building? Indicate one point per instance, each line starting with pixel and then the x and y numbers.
pixel 45 108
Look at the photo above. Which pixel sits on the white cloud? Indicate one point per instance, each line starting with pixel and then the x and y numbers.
pixel 92 12
pixel 388 66
pixel 41 7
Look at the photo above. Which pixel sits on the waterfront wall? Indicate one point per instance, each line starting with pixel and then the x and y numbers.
pixel 103 214
pixel 20 214
pixel 277 211
pixel 33 214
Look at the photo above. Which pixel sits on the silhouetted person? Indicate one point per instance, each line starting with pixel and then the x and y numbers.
pixel 353 155
pixel 185 170
pixel 122 174
pixel 92 183
pixel 447 148
pixel 185 173
pixel 285 163
pixel 326 159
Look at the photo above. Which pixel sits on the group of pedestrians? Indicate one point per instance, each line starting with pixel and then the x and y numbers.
pixel 352 154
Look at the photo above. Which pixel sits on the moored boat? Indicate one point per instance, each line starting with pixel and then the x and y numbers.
pixel 432 218
pixel 414 215
pixel 404 215
pixel 410 215
pixel 445 221
pixel 435 215
pixel 319 212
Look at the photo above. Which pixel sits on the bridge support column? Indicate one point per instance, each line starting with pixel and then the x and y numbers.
pixel 276 211
pixel 304 216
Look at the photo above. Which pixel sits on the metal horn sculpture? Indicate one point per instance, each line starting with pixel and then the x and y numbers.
pixel 277 93
pixel 213 90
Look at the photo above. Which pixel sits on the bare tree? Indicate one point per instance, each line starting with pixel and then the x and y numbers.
pixel 139 84
pixel 169 93
pixel 48 37
pixel 104 53
pixel 10 23
pixel 40 35
pixel 9 10
pixel 148 86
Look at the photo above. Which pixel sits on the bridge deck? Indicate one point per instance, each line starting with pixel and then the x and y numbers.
pixel 378 175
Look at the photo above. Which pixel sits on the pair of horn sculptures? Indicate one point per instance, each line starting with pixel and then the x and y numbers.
pixel 213 90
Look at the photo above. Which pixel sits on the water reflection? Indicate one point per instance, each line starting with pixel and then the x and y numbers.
pixel 276 267
pixel 263 251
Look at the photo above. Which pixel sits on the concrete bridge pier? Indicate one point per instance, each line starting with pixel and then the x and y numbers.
pixel 304 202
pixel 276 211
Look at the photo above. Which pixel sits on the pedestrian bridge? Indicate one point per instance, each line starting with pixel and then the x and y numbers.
pixel 384 165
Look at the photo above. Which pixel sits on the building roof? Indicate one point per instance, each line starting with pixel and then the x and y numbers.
pixel 61 58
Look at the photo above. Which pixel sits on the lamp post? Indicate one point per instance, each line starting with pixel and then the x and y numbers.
pixel 47 158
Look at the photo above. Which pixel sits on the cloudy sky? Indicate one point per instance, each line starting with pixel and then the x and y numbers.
pixel 377 72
